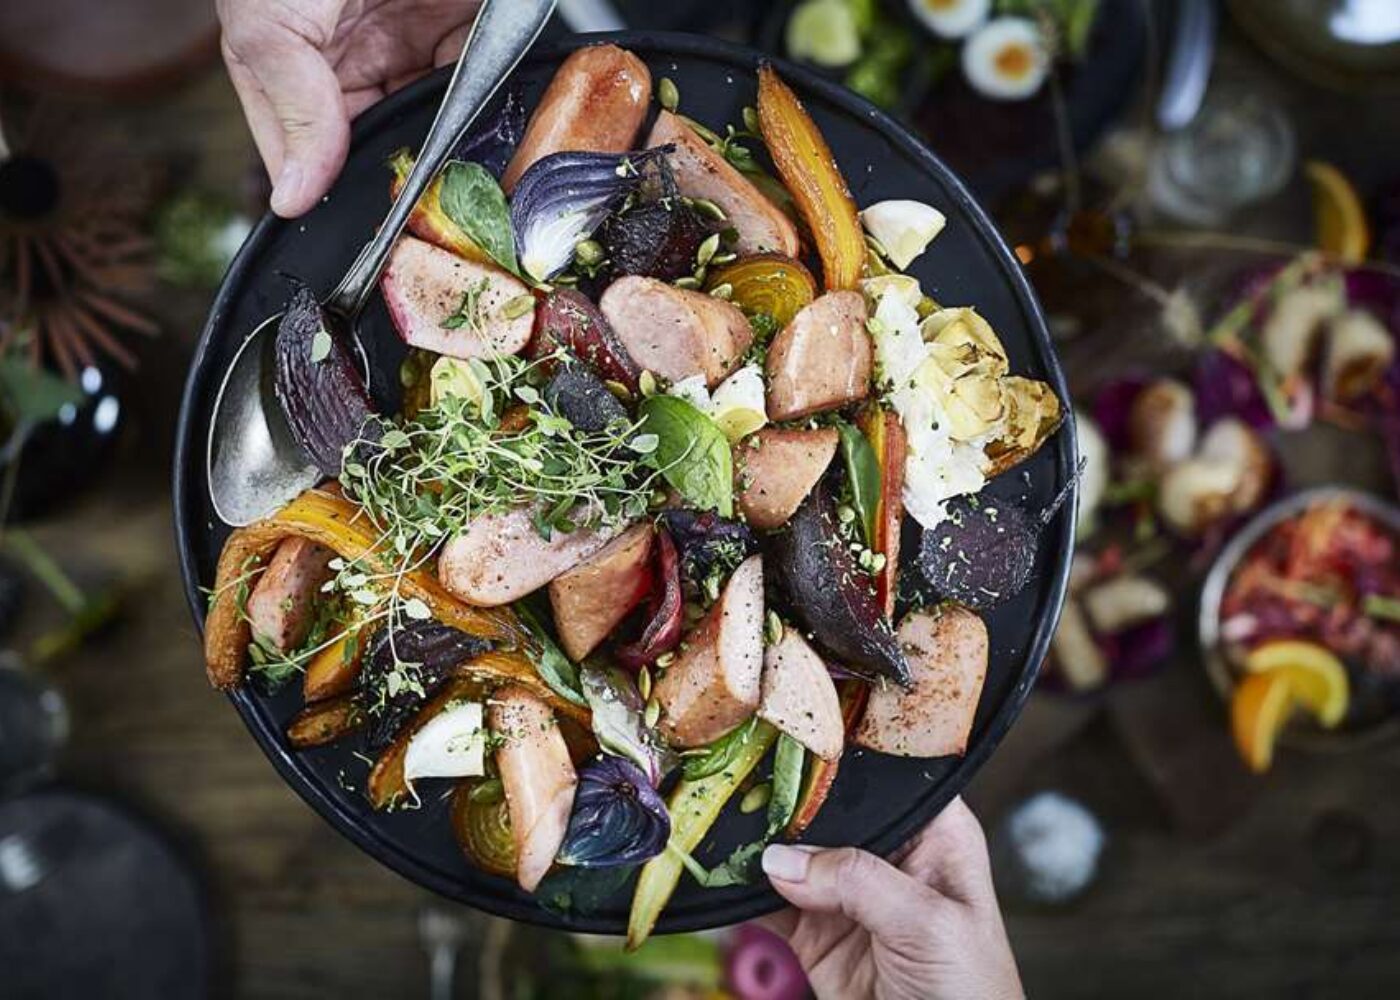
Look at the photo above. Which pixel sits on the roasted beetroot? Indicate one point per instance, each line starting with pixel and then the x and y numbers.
pixel 403 668
pixel 662 632
pixel 317 383
pixel 708 542
pixel 581 398
pixel 982 554
pixel 655 239
pixel 568 320
pixel 831 597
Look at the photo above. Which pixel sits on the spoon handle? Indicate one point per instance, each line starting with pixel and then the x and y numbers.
pixel 503 32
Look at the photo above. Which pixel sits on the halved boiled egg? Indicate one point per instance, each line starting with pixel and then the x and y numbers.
pixel 951 18
pixel 1007 59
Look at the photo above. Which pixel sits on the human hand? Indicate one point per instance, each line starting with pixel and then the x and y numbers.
pixel 928 929
pixel 304 68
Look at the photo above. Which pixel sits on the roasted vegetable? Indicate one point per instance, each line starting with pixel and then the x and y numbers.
pixel 328 518
pixel 766 283
pixel 481 825
pixel 387 784
pixel 831 596
pixel 983 553
pixel 617 819
pixel 820 775
pixel 885 432
pixel 563 198
pixel 694 806
pixel 809 170
pixel 581 398
pixel 570 321
pixel 318 385
pixel 659 234
pixel 708 543
pixel 1031 413
pixel 428 221
pixel 618 720
pixel 662 632
pixel 933 718
pixel 335 669
pixel 403 667
pixel 324 722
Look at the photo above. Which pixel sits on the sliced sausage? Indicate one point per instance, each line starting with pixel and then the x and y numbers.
pixel 282 605
pixel 446 304
pixel 703 173
pixel 821 360
pixel 501 557
pixel 799 696
pixel 538 778
pixel 947 652
pixel 714 683
pixel 590 599
pixel 595 103
pixel 676 333
pixel 775 469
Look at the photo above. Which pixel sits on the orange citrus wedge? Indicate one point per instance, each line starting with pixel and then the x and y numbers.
pixel 1341 221
pixel 1258 712
pixel 1317 677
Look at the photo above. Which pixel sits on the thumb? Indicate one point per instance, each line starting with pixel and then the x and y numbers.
pixel 301 103
pixel 884 900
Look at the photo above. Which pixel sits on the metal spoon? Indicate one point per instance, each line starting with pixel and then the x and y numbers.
pixel 254 464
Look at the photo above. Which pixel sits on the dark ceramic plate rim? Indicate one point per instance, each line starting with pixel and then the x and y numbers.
pixel 763 900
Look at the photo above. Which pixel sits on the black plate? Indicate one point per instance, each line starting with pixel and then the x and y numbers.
pixel 879 801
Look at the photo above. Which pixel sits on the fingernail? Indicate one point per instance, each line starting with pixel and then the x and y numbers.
pixel 287 189
pixel 789 864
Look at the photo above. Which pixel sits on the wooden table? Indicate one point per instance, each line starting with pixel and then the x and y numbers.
pixel 1292 890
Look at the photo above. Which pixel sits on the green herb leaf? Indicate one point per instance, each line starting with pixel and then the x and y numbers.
pixel 718 755
pixel 863 473
pixel 691 452
pixel 472 199
pixel 555 669
pixel 787 782
pixel 740 868
pixel 32 394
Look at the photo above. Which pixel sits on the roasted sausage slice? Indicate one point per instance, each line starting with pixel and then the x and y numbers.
pixel 501 556
pixel 281 607
pixel 776 467
pixel 947 652
pixel 449 305
pixel 595 103
pixel 713 685
pixel 701 172
pixel 821 360
pixel 799 696
pixel 676 333
pixel 590 599
pixel 538 778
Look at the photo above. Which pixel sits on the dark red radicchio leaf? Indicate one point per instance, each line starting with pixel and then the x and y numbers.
pixel 317 382
pixel 662 632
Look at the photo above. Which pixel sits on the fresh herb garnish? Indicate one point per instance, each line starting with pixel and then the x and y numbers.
pixel 472 199
pixel 788 758
pixel 554 668
pixel 691 452
pixel 468 312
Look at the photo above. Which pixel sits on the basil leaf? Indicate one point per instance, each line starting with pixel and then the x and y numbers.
pixel 787 782
pixel 554 668
pixel 472 199
pixel 691 452
pixel 718 755
pixel 863 473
